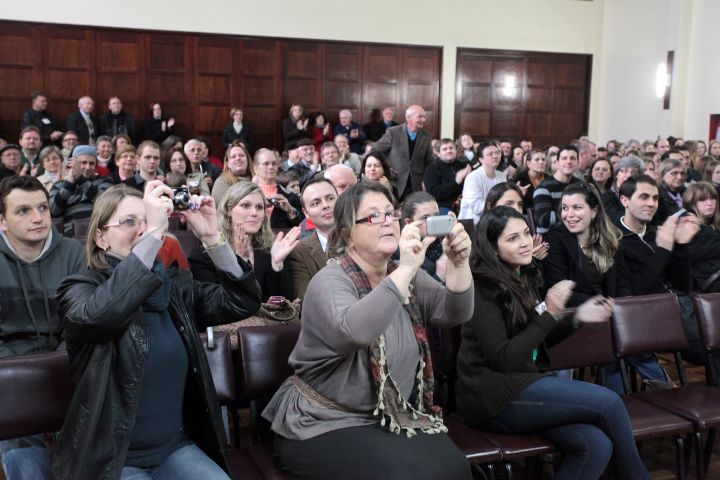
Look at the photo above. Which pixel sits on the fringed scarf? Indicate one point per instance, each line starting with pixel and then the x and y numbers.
pixel 397 413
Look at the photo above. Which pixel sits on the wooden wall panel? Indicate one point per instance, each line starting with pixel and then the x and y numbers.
pixel 548 102
pixel 198 78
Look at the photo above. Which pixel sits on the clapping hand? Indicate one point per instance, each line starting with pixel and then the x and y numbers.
pixel 282 246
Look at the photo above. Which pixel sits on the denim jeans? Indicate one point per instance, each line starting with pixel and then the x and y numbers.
pixel 645 364
pixel 588 423
pixel 186 463
pixel 25 458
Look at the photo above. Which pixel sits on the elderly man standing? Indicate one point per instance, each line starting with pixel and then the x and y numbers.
pixel 353 131
pixel 409 151
pixel 37 116
pixel 83 123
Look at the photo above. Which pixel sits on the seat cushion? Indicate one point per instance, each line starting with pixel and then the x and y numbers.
pixel 650 421
pixel 472 442
pixel 698 403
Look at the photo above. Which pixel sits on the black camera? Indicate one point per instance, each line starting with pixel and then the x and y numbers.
pixel 273 201
pixel 181 198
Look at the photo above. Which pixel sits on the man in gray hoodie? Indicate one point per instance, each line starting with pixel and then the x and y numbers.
pixel 33 259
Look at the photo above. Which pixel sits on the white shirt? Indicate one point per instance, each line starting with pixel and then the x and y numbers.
pixel 475 190
pixel 323 240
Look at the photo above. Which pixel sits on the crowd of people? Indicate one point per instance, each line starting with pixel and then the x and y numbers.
pixel 538 230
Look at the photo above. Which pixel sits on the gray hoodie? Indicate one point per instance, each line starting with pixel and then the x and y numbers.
pixel 28 312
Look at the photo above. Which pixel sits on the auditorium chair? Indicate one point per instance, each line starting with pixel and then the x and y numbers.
pixel 707 311
pixel 653 323
pixel 592 345
pixel 480 446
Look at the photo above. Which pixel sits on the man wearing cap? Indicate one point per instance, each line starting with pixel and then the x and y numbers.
pixel 10 156
pixel 309 164
pixel 73 197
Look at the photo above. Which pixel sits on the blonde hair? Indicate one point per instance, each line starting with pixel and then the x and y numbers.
pixel 104 208
pixel 249 171
pixel 263 239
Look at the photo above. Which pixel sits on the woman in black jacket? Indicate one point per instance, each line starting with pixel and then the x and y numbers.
pixel 585 248
pixel 158 128
pixel 499 385
pixel 244 222
pixel 143 401
pixel 236 130
pixel 295 126
pixel 701 198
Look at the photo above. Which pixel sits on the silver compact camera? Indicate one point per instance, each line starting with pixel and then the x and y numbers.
pixel 440 225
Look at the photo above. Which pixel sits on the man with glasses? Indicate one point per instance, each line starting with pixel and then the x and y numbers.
pixel 34 258
pixel 546 199
pixel 479 182
pixel 73 197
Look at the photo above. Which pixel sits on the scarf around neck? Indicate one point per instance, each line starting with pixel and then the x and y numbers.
pixel 396 412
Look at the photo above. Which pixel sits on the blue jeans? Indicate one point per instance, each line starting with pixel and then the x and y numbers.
pixel 186 463
pixel 25 458
pixel 645 364
pixel 588 423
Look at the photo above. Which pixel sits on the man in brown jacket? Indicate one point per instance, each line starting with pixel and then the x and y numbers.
pixel 318 201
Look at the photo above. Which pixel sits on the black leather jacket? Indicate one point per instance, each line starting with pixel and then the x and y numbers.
pixel 107 347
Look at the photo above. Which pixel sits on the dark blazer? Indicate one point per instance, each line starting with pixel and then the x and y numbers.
pixel 271 282
pixel 305 261
pixel 377 130
pixel 229 135
pixel 76 123
pixel 395 144
pixel 565 262
pixel 291 134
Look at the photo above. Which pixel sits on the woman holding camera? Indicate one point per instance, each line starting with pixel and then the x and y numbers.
pixel 283 208
pixel 499 385
pixel 243 221
pixel 143 402
pixel 363 374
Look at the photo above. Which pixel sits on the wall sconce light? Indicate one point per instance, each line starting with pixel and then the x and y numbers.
pixel 662 80
pixel 509 87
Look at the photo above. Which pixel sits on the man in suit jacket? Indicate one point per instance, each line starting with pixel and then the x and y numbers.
pixel 409 150
pixel 310 255
pixel 83 123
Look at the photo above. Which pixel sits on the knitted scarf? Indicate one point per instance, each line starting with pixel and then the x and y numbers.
pixel 397 413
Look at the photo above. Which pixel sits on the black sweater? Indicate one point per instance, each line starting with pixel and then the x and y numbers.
pixel 565 262
pixel 493 366
pixel 704 251
pixel 654 269
pixel 440 182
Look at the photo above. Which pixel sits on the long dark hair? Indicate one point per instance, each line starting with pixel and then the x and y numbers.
pixel 517 294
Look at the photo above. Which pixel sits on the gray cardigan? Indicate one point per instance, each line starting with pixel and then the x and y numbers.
pixel 332 356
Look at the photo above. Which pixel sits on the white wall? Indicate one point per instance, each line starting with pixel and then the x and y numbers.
pixel 637 35
pixel 703 83
pixel 570 26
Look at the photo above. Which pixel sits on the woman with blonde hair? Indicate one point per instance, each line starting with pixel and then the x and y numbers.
pixel 245 224
pixel 237 166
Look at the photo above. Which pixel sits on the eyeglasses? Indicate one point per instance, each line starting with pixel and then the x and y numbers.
pixel 376 218
pixel 127 223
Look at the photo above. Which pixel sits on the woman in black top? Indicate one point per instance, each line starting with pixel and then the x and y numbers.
pixel 499 386
pixel 244 223
pixel 158 128
pixel 585 248
pixel 701 198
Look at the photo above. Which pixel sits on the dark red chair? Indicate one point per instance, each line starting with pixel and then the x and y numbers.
pixel 479 446
pixel 707 311
pixel 35 394
pixel 592 345
pixel 653 323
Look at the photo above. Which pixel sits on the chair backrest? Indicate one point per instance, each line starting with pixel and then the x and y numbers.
pixel 591 345
pixel 648 323
pixel 219 355
pixel 35 394
pixel 707 310
pixel 264 353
